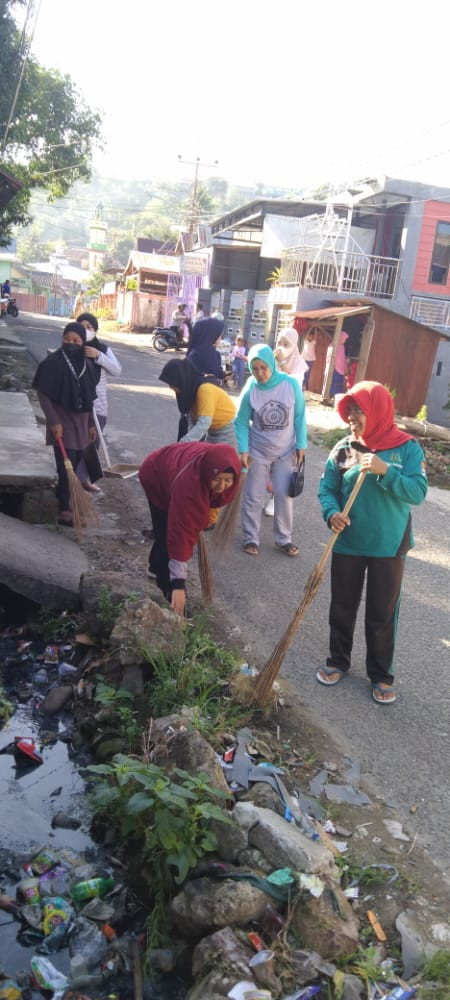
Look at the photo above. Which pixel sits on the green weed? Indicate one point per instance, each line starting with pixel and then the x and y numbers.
pixel 6 708
pixel 121 702
pixel 198 678
pixel 168 819
pixel 364 875
pixel 108 610
pixel 51 627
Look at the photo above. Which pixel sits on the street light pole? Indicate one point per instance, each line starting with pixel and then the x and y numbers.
pixel 192 211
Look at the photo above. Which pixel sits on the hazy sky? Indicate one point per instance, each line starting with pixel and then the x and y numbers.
pixel 289 93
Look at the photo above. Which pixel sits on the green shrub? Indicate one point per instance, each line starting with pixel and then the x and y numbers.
pixel 166 818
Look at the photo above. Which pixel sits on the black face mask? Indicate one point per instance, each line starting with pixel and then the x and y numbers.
pixel 75 352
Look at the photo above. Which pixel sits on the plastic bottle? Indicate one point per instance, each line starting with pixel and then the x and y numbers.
pixel 90 888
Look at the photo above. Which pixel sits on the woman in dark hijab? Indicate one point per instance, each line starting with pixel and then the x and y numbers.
pixel 202 352
pixel 66 387
pixel 185 380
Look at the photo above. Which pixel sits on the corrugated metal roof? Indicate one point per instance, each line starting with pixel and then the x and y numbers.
pixel 332 311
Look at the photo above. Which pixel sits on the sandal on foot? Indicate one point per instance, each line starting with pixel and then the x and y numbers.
pixel 329 671
pixel 289 549
pixel 91 488
pixel 379 694
pixel 251 549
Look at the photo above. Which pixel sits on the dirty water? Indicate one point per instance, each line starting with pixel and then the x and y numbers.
pixel 30 796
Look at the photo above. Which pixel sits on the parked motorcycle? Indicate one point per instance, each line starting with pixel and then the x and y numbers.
pixel 9 307
pixel 165 339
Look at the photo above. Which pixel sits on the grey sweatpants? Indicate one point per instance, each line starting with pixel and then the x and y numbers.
pixel 260 471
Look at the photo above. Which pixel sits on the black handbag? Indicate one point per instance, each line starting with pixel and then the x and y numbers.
pixel 297 481
pixel 92 462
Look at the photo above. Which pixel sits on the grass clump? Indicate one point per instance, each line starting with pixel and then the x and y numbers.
pixel 199 678
pixel 6 708
pixel 436 973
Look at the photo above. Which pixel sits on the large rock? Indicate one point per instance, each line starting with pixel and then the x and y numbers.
pixel 204 905
pixel 102 594
pixel 223 947
pixel 143 624
pixel 327 924
pixel 421 938
pixel 282 843
pixel 187 748
pixel 40 564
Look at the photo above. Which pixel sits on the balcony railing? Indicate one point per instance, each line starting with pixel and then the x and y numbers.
pixel 432 312
pixel 340 271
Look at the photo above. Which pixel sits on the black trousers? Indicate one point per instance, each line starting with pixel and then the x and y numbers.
pixel 158 560
pixel 384 581
pixel 62 489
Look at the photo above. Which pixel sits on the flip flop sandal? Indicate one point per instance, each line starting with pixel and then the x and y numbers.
pixel 251 549
pixel 289 549
pixel 329 671
pixel 377 690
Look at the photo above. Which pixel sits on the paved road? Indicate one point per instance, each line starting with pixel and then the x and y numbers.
pixel 404 747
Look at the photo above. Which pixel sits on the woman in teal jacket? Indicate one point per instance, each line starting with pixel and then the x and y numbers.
pixel 377 536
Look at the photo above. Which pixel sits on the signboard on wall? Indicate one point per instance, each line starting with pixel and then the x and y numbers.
pixel 194 265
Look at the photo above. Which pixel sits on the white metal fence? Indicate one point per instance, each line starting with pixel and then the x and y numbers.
pixel 340 271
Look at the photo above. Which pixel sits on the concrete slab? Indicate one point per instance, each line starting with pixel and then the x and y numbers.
pixel 9 340
pixel 40 563
pixel 25 460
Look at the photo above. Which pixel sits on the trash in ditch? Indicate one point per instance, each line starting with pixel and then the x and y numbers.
pixel 347 794
pixel 395 829
pixel 9 990
pixel 67 669
pixel 376 926
pixel 24 750
pixel 51 655
pixel 40 677
pixel 27 890
pixel 44 861
pixel 312 883
pixel 46 976
pixel 91 887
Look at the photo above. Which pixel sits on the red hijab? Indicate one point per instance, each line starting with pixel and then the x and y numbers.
pixel 375 401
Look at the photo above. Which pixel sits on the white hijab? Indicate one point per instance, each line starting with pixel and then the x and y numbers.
pixel 288 356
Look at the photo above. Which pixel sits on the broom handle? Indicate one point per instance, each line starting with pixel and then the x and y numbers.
pixel 65 456
pixel 326 553
pixel 101 438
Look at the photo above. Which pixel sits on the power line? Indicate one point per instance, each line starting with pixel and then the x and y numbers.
pixel 24 48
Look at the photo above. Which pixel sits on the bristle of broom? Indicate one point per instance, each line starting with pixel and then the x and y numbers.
pixel 226 524
pixel 262 692
pixel 264 684
pixel 84 514
pixel 204 570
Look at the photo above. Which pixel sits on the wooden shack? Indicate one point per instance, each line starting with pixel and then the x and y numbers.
pixel 383 346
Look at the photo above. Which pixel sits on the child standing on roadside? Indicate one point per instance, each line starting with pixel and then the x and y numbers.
pixel 238 361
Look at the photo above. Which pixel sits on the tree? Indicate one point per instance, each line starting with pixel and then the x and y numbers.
pixel 48 143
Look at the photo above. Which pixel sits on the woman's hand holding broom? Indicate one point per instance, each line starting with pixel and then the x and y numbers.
pixel 57 431
pixel 178 602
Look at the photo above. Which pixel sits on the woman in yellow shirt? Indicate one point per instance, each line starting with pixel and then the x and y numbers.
pixel 207 412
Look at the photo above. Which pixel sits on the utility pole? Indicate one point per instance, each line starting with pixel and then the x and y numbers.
pixel 193 214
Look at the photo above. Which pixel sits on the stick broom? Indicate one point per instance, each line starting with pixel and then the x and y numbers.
pixel 263 687
pixel 204 570
pixel 84 513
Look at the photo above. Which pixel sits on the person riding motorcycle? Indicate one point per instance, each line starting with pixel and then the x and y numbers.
pixel 181 325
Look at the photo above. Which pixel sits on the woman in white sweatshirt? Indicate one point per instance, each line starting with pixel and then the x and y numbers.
pixel 103 356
